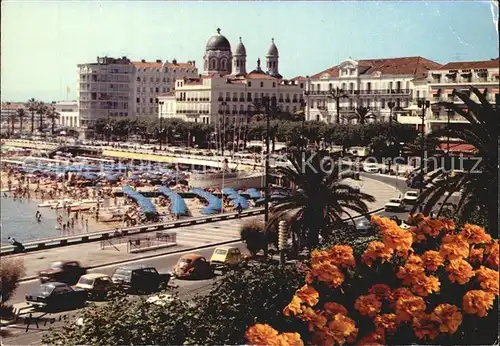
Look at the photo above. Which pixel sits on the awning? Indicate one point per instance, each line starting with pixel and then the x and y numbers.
pixel 457 147
pixel 494 91
pixel 448 91
pixel 495 74
pixel 435 91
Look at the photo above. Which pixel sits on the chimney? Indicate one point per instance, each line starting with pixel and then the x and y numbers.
pixel 142 60
pixel 174 61
pixel 158 61
pixel 193 63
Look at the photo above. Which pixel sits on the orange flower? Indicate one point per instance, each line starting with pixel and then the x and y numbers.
pixel 289 339
pixel 449 225
pixel 308 295
pixel 409 273
pixel 261 334
pixel 315 320
pixel 415 259
pixel 432 227
pixel 368 305
pixel 375 338
pixel 476 256
pixel 449 318
pixel 401 292
pixel 398 240
pixel 425 327
pixel 386 322
pixel 332 308
pixel 340 330
pixel 478 302
pixel 488 279
pixel 318 256
pixel 293 308
pixel 342 256
pixel 475 234
pixel 409 307
pixel 459 271
pixel 382 291
pixel 454 247
pixel 384 223
pixel 432 260
pixel 327 273
pixel 425 285
pixel 417 234
pixel 492 251
pixel 376 250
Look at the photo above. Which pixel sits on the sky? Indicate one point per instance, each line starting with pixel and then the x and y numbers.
pixel 42 42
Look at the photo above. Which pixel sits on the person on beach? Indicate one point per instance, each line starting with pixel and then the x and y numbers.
pixel 87 225
pixel 239 209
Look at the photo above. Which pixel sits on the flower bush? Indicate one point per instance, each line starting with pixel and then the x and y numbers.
pixel 430 284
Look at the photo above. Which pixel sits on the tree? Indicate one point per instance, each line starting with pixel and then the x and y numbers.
pixel 32 107
pixel 52 115
pixel 252 233
pixel 362 114
pixel 12 119
pixel 41 110
pixel 319 200
pixel 11 270
pixel 337 94
pixel 21 114
pixel 475 184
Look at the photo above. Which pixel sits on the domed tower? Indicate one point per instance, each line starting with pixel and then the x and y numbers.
pixel 240 60
pixel 272 58
pixel 218 55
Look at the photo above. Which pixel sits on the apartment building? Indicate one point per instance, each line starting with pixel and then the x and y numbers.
pixel 459 76
pixel 375 84
pixel 155 78
pixel 225 91
pixel 105 89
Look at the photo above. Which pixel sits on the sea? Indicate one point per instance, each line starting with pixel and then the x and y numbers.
pixel 17 220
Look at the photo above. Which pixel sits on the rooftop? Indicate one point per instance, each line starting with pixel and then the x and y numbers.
pixel 460 65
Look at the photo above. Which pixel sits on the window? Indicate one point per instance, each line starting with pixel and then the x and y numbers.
pixel 150 100
pixel 151 79
pixel 237 63
pixel 138 79
pixel 156 100
pixel 223 64
pixel 212 64
pixel 138 100
pixel 302 85
pixel 151 89
pixel 138 89
pixel 164 89
pixel 261 84
pixel 249 84
pixel 330 86
pixel 157 89
pixel 143 89
pixel 274 84
pixel 418 94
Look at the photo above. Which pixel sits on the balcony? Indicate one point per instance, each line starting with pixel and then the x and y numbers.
pixel 280 100
pixel 242 99
pixel 287 100
pixel 235 99
pixel 220 99
pixel 228 99
pixel 294 101
pixel 235 112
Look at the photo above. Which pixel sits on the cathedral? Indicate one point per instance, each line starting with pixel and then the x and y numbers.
pixel 219 58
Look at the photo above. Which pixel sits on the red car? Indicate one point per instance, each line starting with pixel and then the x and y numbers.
pixel 68 272
pixel 193 266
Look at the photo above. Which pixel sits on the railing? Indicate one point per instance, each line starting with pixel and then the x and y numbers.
pixel 220 99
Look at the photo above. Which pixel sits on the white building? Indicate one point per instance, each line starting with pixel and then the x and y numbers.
pixel 155 78
pixel 366 83
pixel 483 75
pixel 68 114
pixel 226 88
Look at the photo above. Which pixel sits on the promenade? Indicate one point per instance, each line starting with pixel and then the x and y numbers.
pixel 92 254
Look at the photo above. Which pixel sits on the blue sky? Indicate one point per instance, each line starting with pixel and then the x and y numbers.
pixel 42 42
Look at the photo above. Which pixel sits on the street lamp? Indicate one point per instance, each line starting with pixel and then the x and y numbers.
pixel 424 105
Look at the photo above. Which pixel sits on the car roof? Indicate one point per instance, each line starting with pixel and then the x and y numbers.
pixel 192 256
pixel 54 284
pixel 134 267
pixel 94 276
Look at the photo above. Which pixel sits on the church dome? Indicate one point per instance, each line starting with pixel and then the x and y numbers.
pixel 240 49
pixel 273 50
pixel 218 42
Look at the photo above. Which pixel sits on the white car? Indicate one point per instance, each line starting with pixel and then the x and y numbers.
pixel 371 167
pixel 410 197
pixel 395 204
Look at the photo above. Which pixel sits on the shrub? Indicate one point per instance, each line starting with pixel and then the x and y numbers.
pixel 11 270
pixel 430 284
pixel 252 233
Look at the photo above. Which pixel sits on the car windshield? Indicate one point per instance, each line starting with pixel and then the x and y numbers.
pixel 85 281
pixel 185 260
pixel 56 265
pixel 412 194
pixel 220 252
pixel 394 200
pixel 45 289
pixel 123 272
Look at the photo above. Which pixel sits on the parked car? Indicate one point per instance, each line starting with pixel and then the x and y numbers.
pixel 395 204
pixel 225 257
pixel 371 167
pixel 140 278
pixel 68 272
pixel 97 285
pixel 55 296
pixel 193 266
pixel 410 197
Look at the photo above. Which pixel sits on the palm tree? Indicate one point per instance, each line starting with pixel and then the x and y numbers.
pixel 21 114
pixel 319 199
pixel 12 119
pixel 40 110
pixel 52 115
pixel 32 107
pixel 362 114
pixel 337 94
pixel 477 194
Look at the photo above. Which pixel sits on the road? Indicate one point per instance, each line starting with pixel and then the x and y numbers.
pixel 186 288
